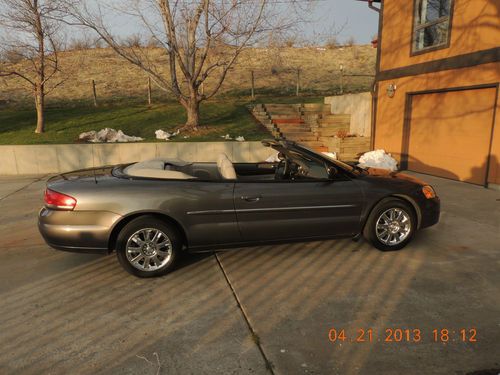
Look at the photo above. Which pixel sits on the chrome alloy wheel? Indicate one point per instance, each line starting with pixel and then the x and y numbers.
pixel 149 249
pixel 393 226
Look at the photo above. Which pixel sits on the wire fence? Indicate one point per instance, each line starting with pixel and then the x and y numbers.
pixel 249 84
pixel 253 85
pixel 297 82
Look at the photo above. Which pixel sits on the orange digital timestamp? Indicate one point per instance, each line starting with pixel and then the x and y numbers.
pixel 408 335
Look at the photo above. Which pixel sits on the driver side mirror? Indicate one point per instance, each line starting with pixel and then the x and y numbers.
pixel 332 172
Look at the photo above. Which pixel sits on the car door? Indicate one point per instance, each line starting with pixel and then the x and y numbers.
pixel 206 211
pixel 274 210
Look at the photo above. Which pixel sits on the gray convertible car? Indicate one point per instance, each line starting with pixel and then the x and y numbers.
pixel 151 211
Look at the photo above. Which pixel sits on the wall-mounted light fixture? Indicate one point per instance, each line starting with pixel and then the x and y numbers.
pixel 391 90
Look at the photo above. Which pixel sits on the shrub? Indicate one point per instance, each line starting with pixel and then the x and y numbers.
pixel 332 42
pixel 351 41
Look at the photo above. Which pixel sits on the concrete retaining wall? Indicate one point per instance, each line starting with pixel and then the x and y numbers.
pixel 359 106
pixel 44 159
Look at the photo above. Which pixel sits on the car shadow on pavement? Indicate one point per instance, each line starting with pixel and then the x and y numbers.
pixel 90 316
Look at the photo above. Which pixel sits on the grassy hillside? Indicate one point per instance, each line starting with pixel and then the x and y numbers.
pixel 64 124
pixel 274 70
pixel 122 88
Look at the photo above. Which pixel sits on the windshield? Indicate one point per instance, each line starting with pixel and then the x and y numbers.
pixel 311 167
pixel 339 163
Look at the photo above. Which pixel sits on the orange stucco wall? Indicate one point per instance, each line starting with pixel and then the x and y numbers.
pixel 391 111
pixel 475 27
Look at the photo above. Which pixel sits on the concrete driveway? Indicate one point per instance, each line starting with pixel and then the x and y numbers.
pixel 257 310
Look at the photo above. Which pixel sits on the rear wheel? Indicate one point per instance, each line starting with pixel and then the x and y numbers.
pixel 148 247
pixel 391 225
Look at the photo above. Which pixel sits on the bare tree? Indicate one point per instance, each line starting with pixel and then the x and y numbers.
pixel 350 42
pixel 29 37
pixel 82 41
pixel 201 39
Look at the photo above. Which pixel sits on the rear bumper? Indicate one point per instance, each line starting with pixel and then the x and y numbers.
pixel 82 250
pixel 77 231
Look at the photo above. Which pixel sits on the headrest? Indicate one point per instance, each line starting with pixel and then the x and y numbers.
pixel 226 168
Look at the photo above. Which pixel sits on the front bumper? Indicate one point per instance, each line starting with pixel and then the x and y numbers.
pixel 430 210
pixel 77 231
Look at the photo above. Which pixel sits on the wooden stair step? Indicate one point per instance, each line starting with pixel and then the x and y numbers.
pixel 329 132
pixel 327 123
pixel 282 110
pixel 300 136
pixel 357 140
pixel 326 110
pixel 282 105
pixel 284 116
pixel 321 149
pixel 315 106
pixel 295 128
pixel 337 116
pixel 288 120
pixel 260 113
pixel 313 144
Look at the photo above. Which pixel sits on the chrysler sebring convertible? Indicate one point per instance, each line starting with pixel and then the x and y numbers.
pixel 151 211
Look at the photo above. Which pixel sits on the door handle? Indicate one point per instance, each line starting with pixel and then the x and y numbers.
pixel 252 198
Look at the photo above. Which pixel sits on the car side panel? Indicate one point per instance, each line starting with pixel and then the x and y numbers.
pixel 293 209
pixel 205 210
pixel 378 188
pixel 67 230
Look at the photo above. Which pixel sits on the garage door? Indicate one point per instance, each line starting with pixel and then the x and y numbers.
pixel 450 134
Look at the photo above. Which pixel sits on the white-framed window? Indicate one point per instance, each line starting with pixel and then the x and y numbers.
pixel 432 24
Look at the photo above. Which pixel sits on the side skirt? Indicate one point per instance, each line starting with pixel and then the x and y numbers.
pixel 210 248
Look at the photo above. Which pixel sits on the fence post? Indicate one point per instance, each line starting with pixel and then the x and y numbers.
pixel 94 93
pixel 341 79
pixel 297 92
pixel 149 90
pixel 253 84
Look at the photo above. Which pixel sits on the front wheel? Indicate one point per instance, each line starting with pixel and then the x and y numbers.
pixel 148 247
pixel 391 225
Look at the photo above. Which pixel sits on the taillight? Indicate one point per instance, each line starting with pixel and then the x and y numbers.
pixel 59 201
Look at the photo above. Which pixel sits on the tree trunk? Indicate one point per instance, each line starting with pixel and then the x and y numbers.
pixel 40 106
pixel 193 113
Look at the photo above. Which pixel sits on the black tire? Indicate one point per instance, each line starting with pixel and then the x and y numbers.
pixel 169 252
pixel 370 230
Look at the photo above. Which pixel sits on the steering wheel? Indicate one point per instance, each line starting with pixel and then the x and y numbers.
pixel 290 169
pixel 282 170
pixel 298 169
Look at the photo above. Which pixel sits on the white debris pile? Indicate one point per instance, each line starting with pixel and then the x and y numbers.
pixel 331 155
pixel 227 137
pixel 107 135
pixel 378 159
pixel 88 136
pixel 273 158
pixel 161 134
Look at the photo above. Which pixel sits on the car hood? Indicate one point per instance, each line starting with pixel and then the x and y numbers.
pixel 385 173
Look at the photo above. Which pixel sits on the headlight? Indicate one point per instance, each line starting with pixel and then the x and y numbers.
pixel 428 192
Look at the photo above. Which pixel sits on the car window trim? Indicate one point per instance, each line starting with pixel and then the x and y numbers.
pixel 329 180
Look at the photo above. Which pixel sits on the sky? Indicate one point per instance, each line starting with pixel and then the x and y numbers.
pixel 350 18
pixel 354 17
